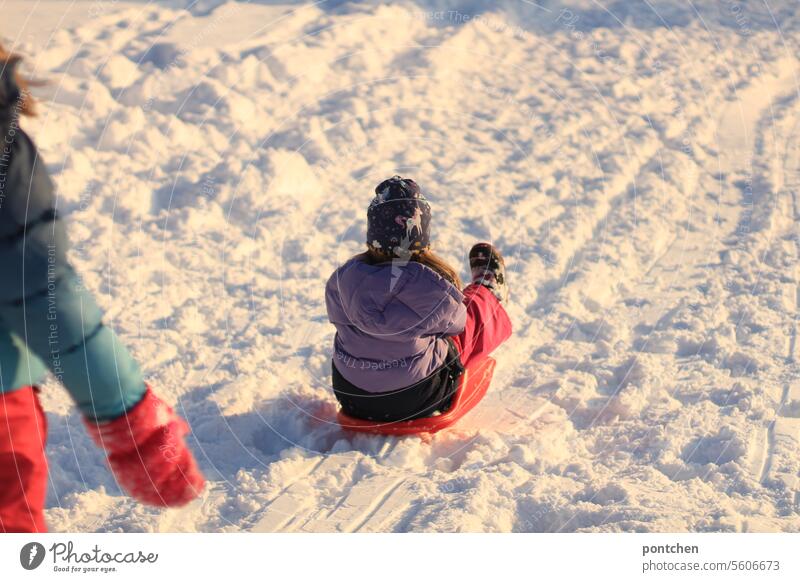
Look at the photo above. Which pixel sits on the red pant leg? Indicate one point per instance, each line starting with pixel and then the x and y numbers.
pixel 23 465
pixel 487 327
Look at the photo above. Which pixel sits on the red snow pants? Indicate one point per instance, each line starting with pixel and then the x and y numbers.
pixel 23 465
pixel 487 327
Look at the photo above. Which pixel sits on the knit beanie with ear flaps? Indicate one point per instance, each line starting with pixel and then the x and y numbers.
pixel 398 218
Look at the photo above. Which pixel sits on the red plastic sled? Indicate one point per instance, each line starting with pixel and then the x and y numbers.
pixel 472 388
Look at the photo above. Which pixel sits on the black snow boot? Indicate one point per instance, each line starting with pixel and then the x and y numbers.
pixel 489 269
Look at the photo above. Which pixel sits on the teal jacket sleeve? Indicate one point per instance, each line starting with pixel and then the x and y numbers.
pixel 43 305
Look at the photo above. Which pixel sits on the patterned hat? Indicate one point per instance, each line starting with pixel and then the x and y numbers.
pixel 398 218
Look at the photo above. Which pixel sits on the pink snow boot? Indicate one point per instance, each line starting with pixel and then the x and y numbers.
pixel 148 454
pixel 23 466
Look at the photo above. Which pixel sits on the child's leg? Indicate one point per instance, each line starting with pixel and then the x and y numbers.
pixel 487 327
pixel 64 328
pixel 23 465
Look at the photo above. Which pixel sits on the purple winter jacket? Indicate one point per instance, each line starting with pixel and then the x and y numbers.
pixel 391 322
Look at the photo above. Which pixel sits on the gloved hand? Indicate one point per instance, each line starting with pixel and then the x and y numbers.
pixel 148 454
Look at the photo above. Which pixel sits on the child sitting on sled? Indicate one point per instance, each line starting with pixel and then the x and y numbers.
pixel 49 321
pixel 405 329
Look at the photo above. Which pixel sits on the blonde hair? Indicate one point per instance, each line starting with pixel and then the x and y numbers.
pixel 425 257
pixel 27 105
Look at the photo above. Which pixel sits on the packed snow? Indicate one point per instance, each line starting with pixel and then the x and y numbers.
pixel 637 163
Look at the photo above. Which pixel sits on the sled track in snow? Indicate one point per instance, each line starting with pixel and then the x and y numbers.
pixel 665 281
pixel 547 290
pixel 765 442
pixel 296 501
pixel 366 499
pixel 786 424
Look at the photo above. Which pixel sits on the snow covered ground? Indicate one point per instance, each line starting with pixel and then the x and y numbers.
pixel 638 163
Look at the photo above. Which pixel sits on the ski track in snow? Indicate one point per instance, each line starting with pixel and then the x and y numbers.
pixel 215 165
